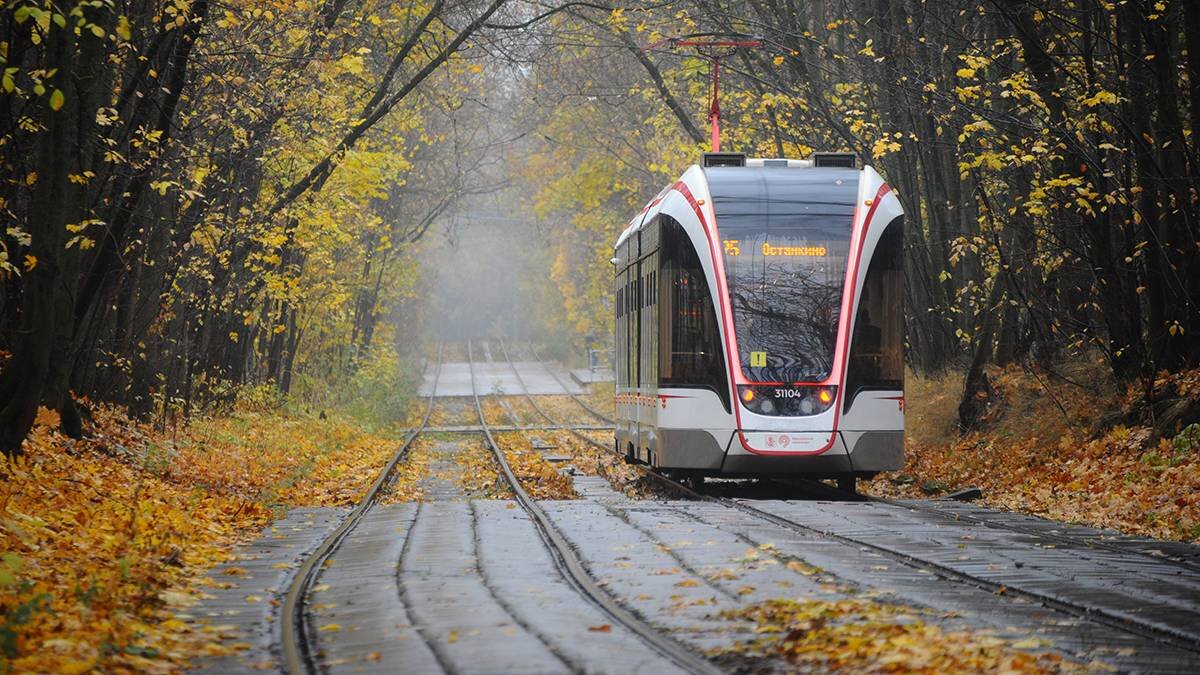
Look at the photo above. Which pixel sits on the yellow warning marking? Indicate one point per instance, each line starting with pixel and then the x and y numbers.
pixel 758 359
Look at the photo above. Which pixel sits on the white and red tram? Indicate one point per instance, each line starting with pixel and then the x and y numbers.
pixel 759 322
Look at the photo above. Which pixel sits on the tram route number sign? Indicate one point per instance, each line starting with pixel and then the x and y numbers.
pixel 758 359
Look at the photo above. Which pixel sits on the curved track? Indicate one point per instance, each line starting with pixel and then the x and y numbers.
pixel 295 636
pixel 572 568
pixel 582 403
pixel 1125 621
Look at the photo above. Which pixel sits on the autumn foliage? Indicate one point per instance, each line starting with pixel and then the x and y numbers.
pixel 105 538
pixel 871 636
pixel 1069 463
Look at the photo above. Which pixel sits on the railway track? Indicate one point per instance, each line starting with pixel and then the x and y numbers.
pixel 295 639
pixel 572 562
pixel 1149 550
pixel 300 650
pixel 570 565
pixel 582 403
pixel 1129 620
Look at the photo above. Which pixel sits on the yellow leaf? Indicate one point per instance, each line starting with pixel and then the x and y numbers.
pixel 1031 643
pixel 30 262
pixel 123 29
pixel 331 628
pixel 46 418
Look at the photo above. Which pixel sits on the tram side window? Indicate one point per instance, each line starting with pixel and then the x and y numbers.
pixel 877 344
pixel 690 353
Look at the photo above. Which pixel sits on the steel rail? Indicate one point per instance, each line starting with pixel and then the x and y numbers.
pixel 569 564
pixel 1100 616
pixel 474 428
pixel 578 432
pixel 646 471
pixel 584 404
pixel 1063 538
pixel 954 517
pixel 524 388
pixel 295 638
pixel 1103 617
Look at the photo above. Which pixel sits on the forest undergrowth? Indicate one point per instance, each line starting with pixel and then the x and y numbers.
pixel 1075 451
pixel 107 538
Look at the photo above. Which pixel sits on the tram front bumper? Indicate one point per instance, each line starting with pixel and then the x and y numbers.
pixel 815 453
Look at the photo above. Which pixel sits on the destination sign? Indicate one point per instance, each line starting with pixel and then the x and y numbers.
pixel 794 251
pixel 733 249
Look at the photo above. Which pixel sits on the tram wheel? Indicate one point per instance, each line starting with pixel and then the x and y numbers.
pixel 848 483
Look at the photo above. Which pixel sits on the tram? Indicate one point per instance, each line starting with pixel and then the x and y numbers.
pixel 759 322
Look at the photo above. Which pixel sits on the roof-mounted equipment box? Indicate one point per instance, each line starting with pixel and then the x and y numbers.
pixel 724 159
pixel 845 160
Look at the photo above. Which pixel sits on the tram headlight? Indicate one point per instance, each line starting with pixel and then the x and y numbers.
pixel 820 399
pixel 757 399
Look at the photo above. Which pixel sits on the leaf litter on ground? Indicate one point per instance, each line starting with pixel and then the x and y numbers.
pixel 108 539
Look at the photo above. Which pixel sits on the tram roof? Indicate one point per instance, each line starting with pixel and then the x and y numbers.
pixel 766 177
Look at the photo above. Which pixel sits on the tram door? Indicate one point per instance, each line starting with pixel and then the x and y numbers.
pixel 647 374
pixel 626 342
pixel 630 337
pixel 631 347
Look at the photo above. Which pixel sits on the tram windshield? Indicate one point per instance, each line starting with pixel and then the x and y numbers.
pixel 785 234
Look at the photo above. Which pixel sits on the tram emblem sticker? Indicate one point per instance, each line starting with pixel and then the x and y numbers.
pixel 758 359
